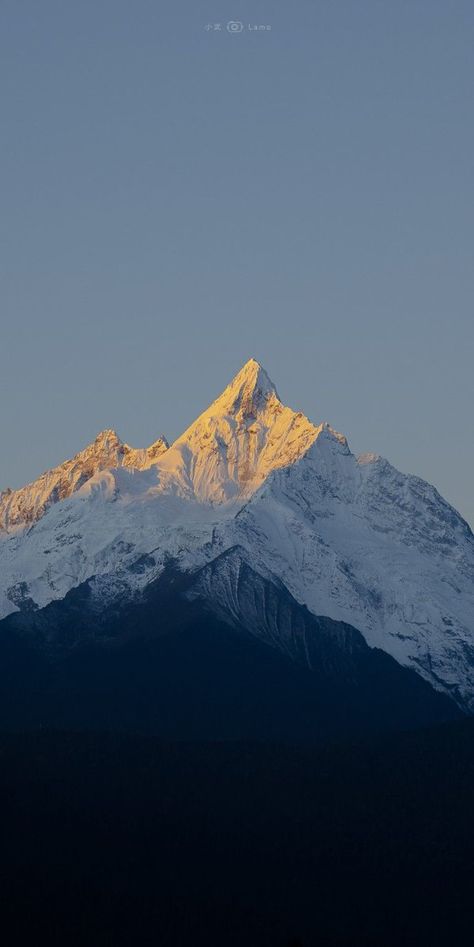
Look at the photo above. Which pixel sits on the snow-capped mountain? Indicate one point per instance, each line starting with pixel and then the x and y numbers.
pixel 25 506
pixel 349 537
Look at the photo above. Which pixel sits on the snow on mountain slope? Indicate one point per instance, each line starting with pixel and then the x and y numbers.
pixel 351 538
pixel 22 507
pixel 233 446
pixel 354 539
pixel 172 503
pixel 225 454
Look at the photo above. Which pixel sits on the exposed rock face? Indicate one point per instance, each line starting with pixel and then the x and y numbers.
pixel 242 437
pixel 23 507
pixel 351 538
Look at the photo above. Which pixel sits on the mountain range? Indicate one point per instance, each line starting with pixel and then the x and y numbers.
pixel 255 541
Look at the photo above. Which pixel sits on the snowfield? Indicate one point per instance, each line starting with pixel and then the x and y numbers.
pixel 350 537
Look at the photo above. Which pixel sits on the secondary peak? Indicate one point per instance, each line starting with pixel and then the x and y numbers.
pixel 107 437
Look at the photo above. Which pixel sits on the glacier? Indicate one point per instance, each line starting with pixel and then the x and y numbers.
pixel 351 538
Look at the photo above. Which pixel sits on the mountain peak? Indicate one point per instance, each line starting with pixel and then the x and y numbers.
pixel 243 436
pixel 107 438
pixel 254 375
pixel 106 452
pixel 248 393
pixel 351 539
pixel 160 446
pixel 161 441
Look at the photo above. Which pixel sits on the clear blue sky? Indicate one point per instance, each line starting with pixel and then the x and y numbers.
pixel 176 200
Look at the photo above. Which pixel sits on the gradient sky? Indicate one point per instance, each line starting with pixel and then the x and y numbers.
pixel 176 200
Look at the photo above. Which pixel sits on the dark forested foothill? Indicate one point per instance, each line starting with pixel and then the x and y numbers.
pixel 112 839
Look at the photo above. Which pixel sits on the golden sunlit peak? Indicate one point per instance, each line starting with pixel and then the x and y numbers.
pixel 249 390
pixel 108 434
pixel 252 365
pixel 160 441
pixel 253 370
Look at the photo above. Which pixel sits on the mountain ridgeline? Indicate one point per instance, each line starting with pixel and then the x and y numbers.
pixel 252 580
pixel 237 675
pixel 180 664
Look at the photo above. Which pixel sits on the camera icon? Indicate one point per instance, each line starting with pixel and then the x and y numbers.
pixel 235 26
